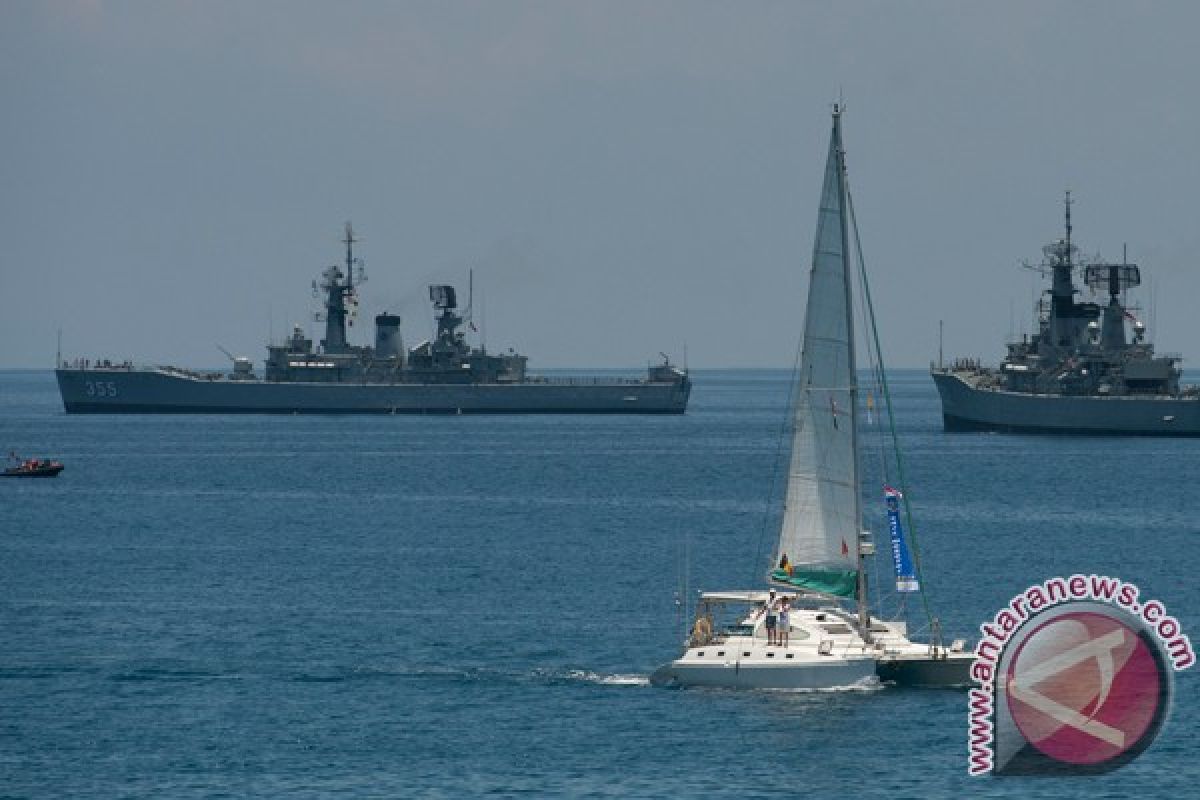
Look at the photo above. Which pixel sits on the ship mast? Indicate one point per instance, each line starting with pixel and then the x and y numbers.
pixel 1067 203
pixel 864 617
pixel 350 240
pixel 335 301
pixel 1063 310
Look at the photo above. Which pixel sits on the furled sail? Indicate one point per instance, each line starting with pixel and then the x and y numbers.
pixel 818 542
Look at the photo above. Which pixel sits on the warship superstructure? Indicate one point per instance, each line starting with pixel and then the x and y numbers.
pixel 445 374
pixel 1080 371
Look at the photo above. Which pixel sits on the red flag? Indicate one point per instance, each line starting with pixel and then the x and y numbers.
pixel 845 550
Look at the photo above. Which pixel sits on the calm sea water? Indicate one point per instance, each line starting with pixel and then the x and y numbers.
pixel 227 606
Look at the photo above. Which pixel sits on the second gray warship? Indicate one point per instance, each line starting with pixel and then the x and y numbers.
pixel 444 374
pixel 1080 372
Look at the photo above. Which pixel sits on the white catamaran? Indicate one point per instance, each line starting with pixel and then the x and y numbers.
pixel 819 557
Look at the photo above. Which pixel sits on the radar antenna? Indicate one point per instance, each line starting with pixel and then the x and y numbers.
pixel 1067 203
pixel 468 315
pixel 349 240
pixel 1116 278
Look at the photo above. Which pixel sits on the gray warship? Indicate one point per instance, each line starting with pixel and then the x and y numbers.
pixel 445 374
pixel 1080 372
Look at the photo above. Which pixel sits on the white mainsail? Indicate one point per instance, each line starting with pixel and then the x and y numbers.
pixel 818 543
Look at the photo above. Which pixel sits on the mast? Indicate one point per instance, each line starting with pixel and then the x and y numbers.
pixel 335 299
pixel 1063 289
pixel 470 315
pixel 861 580
pixel 1067 204
pixel 349 240
pixel 1064 312
pixel 941 322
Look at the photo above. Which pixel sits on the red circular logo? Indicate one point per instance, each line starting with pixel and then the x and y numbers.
pixel 1085 688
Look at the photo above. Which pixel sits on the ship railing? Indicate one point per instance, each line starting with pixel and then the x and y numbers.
pixel 958 365
pixel 189 373
pixel 99 363
pixel 580 381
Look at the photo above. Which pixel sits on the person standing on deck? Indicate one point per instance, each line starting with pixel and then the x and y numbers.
pixel 771 619
pixel 785 623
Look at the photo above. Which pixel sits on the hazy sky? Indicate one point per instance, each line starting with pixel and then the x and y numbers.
pixel 624 177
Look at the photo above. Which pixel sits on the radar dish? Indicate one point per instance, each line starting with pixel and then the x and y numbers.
pixel 1114 278
pixel 443 297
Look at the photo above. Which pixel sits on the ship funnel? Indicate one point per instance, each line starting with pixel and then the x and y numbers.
pixel 387 336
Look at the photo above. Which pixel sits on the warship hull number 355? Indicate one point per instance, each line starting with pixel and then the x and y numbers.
pixel 1079 372
pixel 443 375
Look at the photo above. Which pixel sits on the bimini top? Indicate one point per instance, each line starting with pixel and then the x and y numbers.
pixel 757 596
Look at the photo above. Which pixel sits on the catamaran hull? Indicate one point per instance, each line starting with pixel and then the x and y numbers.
pixel 830 673
pixel 950 671
pixel 152 391
pixel 968 408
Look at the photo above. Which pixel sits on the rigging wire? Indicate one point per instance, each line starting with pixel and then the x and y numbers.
pixel 881 451
pixel 685 581
pixel 870 309
pixel 875 360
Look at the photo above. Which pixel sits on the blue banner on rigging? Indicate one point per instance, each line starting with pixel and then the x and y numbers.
pixel 906 576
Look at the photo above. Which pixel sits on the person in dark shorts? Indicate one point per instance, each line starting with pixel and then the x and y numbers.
pixel 784 623
pixel 772 619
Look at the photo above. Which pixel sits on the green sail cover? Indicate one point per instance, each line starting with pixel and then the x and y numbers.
pixel 838 582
